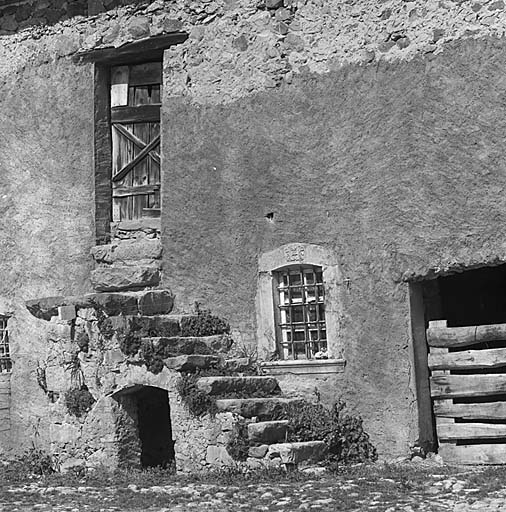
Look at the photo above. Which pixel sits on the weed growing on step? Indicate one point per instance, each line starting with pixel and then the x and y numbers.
pixel 79 401
pixel 203 324
pixel 238 447
pixel 197 402
pixel 343 432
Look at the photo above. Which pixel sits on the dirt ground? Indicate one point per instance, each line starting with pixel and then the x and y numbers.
pixel 385 488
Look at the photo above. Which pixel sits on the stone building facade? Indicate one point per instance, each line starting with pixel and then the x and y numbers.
pixel 358 142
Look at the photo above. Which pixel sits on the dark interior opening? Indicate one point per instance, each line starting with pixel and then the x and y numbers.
pixel 155 432
pixel 473 297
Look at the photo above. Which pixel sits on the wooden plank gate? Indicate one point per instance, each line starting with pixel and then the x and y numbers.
pixel 468 388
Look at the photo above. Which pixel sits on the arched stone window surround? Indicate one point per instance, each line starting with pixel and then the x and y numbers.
pixel 292 254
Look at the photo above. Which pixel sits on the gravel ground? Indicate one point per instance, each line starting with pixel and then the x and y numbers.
pixel 387 491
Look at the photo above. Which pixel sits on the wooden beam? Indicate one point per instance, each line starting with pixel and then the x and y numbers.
pixel 454 431
pixel 473 454
pixel 426 430
pixel 150 49
pixel 135 191
pixel 484 411
pixel 130 165
pixel 458 386
pixel 464 336
pixel 135 140
pixel 140 114
pixel 468 359
pixel 102 155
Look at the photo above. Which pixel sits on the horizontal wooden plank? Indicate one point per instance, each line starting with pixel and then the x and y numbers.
pixel 473 454
pixel 468 359
pixel 455 386
pixel 140 114
pixel 464 336
pixel 485 411
pixel 138 51
pixel 454 431
pixel 135 191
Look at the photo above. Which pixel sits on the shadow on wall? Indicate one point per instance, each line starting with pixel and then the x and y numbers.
pixel 17 15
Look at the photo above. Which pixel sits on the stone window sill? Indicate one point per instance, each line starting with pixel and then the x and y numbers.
pixel 303 366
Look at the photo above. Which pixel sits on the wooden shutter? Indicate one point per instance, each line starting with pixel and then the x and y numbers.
pixel 135 125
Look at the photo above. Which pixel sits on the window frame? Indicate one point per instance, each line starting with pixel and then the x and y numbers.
pixel 286 326
pixel 272 262
pixel 5 354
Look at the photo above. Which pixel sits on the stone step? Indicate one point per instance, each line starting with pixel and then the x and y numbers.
pixel 146 326
pixel 297 453
pixel 128 250
pixel 148 303
pixel 192 362
pixel 125 277
pixel 268 432
pixel 262 408
pixel 196 345
pixel 243 385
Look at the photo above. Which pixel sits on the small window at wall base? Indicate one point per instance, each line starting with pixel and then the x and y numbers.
pixel 5 356
pixel 135 99
pixel 300 312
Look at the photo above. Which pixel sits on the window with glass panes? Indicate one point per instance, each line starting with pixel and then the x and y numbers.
pixel 5 356
pixel 301 312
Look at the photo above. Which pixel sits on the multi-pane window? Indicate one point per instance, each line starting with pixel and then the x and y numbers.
pixel 301 319
pixel 5 356
pixel 135 122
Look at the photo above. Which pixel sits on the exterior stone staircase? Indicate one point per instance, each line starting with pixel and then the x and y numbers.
pixel 249 407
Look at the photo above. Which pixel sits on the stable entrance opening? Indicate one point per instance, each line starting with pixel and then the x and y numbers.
pixel 144 427
pixel 459 326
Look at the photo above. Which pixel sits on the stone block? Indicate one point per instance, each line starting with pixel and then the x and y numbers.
pixel 64 433
pixel 115 303
pixel 258 452
pixel 66 312
pixel 114 357
pixel 248 385
pixel 128 250
pixel 109 279
pixel 239 364
pixel 46 307
pixel 72 463
pixel 156 302
pixel 192 362
pixel 268 432
pixel 218 456
pixel 295 453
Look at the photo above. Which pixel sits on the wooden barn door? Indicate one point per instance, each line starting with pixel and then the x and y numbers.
pixel 135 121
pixel 468 388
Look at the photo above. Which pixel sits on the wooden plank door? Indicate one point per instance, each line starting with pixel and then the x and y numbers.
pixel 135 125
pixel 468 388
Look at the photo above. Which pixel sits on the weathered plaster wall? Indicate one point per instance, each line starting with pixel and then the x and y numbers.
pixel 46 200
pixel 395 167
pixel 261 116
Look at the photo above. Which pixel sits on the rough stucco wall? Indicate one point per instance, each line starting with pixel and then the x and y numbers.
pixel 397 168
pixel 383 174
pixel 46 200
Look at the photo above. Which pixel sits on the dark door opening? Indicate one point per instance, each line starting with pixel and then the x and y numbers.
pixel 473 297
pixel 155 432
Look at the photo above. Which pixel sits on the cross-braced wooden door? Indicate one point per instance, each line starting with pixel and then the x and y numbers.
pixel 468 388
pixel 135 125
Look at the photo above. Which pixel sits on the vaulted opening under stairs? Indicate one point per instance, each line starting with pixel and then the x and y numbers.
pixel 465 317
pixel 144 428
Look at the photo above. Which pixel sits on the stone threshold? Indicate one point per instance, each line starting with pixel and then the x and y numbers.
pixel 304 366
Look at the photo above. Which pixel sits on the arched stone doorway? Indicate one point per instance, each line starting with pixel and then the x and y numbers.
pixel 143 427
